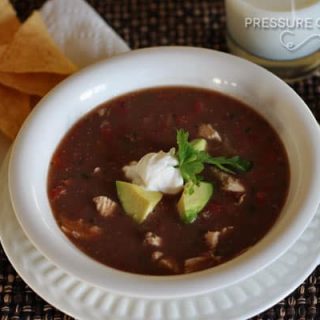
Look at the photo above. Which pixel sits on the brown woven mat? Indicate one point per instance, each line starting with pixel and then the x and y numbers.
pixel 144 23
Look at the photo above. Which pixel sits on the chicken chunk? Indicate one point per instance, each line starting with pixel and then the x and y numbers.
pixel 208 132
pixel 229 182
pixel 226 230
pixel 156 255
pixel 197 263
pixel 104 205
pixel 241 199
pixel 79 229
pixel 97 170
pixel 169 263
pixel 212 239
pixel 152 239
pixel 163 262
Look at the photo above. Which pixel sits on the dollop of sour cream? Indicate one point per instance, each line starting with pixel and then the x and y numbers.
pixel 156 172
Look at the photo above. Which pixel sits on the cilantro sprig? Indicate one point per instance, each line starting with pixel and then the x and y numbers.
pixel 231 165
pixel 192 161
pixel 190 164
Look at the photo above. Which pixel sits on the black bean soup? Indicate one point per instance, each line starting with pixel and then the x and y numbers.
pixel 91 156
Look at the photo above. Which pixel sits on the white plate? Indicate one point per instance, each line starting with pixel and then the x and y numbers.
pixel 84 301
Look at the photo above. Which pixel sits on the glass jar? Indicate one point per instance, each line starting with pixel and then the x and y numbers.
pixel 281 35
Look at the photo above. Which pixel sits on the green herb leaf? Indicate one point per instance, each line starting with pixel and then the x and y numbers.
pixel 230 165
pixel 192 161
pixel 189 163
pixel 185 149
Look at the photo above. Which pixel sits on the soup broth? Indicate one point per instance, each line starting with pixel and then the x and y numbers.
pixel 91 157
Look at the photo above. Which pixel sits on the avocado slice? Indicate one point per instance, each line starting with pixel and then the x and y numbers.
pixel 199 144
pixel 136 201
pixel 193 200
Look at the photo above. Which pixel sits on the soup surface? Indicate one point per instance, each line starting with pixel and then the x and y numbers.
pixel 91 157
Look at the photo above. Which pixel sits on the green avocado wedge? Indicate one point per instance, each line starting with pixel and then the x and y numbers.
pixel 193 200
pixel 199 144
pixel 137 202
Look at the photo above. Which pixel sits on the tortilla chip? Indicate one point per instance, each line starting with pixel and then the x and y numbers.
pixel 38 84
pixel 32 50
pixel 14 108
pixel 2 48
pixel 9 23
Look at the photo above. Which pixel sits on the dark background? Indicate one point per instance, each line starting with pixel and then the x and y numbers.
pixel 144 23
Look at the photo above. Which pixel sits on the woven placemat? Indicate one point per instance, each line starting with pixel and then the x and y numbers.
pixel 144 23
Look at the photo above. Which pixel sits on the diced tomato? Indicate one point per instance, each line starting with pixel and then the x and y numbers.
pixel 261 196
pixel 106 132
pixel 198 107
pixel 57 192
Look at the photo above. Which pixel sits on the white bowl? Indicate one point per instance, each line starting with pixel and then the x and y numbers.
pixel 155 67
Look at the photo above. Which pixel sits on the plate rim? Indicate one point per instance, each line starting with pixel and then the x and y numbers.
pixel 28 197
